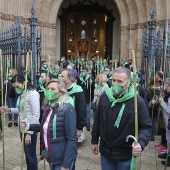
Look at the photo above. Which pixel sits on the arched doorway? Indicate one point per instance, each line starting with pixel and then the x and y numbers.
pixel 89 29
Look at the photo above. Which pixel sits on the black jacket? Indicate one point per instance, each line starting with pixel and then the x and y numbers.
pixel 42 96
pixel 142 93
pixel 113 143
pixel 80 107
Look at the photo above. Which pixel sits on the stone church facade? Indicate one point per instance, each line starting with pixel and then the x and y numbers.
pixel 131 17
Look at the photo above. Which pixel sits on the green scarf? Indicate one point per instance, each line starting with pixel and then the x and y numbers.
pixel 126 96
pixel 85 81
pixel 68 100
pixel 75 89
pixel 43 89
pixel 112 99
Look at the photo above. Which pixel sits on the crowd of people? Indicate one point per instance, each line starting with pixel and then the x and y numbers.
pixel 59 107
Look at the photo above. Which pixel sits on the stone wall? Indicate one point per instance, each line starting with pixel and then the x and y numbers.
pixel 133 15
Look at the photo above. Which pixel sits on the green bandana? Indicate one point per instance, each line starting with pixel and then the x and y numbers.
pixel 85 81
pixel 68 100
pixel 76 88
pixel 10 76
pixel 112 99
pixel 127 96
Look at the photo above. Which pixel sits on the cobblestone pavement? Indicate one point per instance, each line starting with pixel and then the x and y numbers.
pixel 85 161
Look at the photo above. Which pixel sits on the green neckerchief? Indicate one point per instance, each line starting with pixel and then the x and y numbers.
pixel 68 100
pixel 85 81
pixel 126 96
pixel 9 78
pixel 20 101
pixel 43 89
pixel 110 78
pixel 75 89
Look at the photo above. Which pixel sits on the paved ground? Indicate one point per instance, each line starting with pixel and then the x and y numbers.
pixel 85 160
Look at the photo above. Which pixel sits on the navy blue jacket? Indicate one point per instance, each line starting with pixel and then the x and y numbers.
pixel 63 149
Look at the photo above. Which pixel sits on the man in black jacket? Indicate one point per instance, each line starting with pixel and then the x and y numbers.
pixel 76 92
pixel 115 120
pixel 107 72
pixel 86 81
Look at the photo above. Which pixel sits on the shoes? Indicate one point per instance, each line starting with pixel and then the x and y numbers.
pixel 162 156
pixel 88 127
pixel 159 146
pixel 9 124
pixel 164 162
pixel 15 124
pixel 162 150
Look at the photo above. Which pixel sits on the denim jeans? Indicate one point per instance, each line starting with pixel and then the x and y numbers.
pixel 87 114
pixel 154 126
pixel 30 152
pixel 12 104
pixel 58 167
pixel 107 164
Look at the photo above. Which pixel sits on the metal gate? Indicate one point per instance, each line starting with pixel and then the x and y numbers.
pixel 155 47
pixel 16 41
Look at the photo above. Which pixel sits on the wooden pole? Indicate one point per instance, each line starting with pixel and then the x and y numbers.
pixel 3 114
pixel 48 71
pixel 135 95
pixel 24 113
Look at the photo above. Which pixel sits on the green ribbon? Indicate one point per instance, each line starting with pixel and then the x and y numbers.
pixel 54 127
pixel 119 117
pixel 134 164
pixel 43 89
pixel 8 63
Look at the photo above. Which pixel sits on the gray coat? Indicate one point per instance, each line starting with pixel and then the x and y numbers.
pixel 32 108
pixel 166 112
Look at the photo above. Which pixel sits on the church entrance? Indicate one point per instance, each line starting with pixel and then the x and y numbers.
pixel 87 30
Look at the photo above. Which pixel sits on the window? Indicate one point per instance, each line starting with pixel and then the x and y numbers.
pixel 83 22
pixel 83 35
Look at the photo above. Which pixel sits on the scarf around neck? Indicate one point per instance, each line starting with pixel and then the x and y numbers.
pixel 75 89
pixel 85 81
pixel 126 96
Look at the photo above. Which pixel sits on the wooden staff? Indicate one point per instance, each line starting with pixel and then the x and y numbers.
pixel 135 96
pixel 48 71
pixel 115 63
pixel 24 113
pixel 3 114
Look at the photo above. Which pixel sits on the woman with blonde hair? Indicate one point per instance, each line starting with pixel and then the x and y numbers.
pixel 58 141
pixel 100 87
pixel 11 97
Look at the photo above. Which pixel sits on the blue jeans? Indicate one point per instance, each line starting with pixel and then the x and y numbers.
pixel 107 164
pixel 154 126
pixel 30 152
pixel 12 104
pixel 87 114
pixel 58 167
